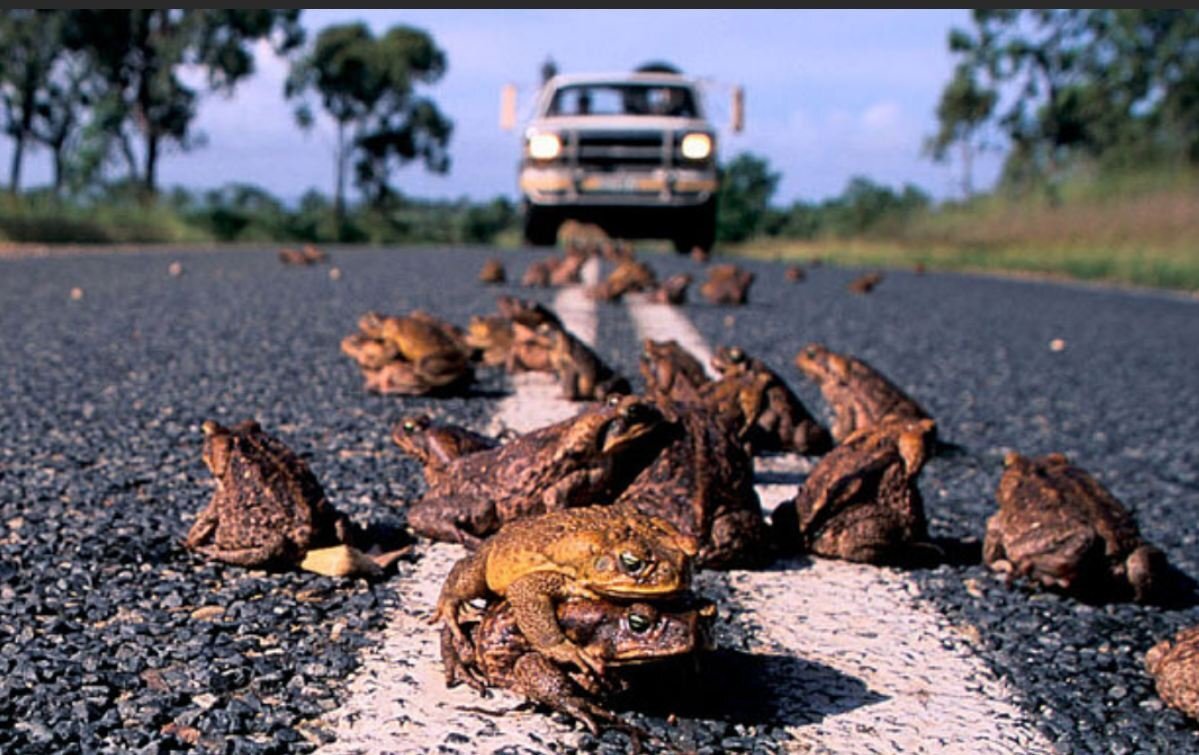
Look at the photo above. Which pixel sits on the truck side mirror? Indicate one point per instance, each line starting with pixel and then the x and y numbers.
pixel 737 118
pixel 508 107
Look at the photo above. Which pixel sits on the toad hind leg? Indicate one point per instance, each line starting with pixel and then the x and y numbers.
pixel 532 600
pixel 466 581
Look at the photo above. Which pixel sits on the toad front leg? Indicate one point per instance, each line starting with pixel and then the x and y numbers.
pixel 466 581
pixel 533 599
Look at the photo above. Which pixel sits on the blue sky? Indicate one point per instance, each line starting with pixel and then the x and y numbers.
pixel 829 95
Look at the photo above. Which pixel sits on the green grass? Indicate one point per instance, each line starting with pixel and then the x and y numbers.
pixel 1139 229
pixel 43 220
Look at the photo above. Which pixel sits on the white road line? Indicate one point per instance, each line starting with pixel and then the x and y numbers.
pixel 910 681
pixel 398 701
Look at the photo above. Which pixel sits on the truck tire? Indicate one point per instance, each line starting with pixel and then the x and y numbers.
pixel 698 228
pixel 541 226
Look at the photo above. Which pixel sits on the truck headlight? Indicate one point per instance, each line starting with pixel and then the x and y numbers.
pixel 696 146
pixel 544 146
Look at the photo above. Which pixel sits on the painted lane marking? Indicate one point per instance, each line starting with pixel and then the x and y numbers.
pixel 398 701
pixel 907 680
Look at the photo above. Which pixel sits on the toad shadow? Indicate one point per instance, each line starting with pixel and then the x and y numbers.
pixel 751 689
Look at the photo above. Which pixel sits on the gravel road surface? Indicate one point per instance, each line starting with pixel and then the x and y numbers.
pixel 113 638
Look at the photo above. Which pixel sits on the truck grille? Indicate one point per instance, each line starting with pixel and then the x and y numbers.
pixel 609 150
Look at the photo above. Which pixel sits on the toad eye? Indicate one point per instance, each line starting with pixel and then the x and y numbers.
pixel 545 328
pixel 632 564
pixel 639 624
pixel 409 426
pixel 736 354
pixel 614 400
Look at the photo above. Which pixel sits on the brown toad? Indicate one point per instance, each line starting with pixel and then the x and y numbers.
pixel 528 351
pixel 670 371
pixel 1174 665
pixel 577 462
pixel 489 337
pixel 865 283
pixel 268 509
pixel 492 271
pixel 727 284
pixel 496 654
pixel 629 275
pixel 540 561
pixel 861 502
pixel 702 483
pixel 673 290
pixel 784 423
pixel 581 373
pixel 859 394
pixel 1060 527
pixel 435 445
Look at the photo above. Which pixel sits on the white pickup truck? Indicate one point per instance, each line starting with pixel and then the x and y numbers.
pixel 631 152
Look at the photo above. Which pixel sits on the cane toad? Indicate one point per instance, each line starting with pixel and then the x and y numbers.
pixel 437 358
pixel 861 502
pixel 493 271
pixel 537 274
pixel 268 509
pixel 435 445
pixel 581 373
pixel 670 371
pixel 528 350
pixel 784 423
pixel 591 552
pixel 496 654
pixel 727 284
pixel 866 283
pixel 859 395
pixel 583 460
pixel 702 483
pixel 1174 665
pixel 1060 527
pixel 489 337
pixel 673 290
pixel 629 275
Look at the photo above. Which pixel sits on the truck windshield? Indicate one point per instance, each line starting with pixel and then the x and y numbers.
pixel 623 99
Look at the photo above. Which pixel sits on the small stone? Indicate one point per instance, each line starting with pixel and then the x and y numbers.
pixel 208 613
pixel 76 293
pixel 175 269
pixel 335 273
pixel 204 700
pixel 1057 344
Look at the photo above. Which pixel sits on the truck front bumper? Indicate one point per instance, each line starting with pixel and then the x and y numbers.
pixel 562 186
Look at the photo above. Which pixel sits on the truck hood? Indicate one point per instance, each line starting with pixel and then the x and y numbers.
pixel 620 123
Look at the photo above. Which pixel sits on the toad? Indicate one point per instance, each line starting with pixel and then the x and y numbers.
pixel 369 353
pixel 581 373
pixel 537 274
pixel 569 270
pixel 727 284
pixel 673 290
pixel 629 275
pixel 489 337
pixel 795 274
pixel 1058 526
pixel 435 445
pixel 866 283
pixel 528 351
pixel 859 394
pixel 702 483
pixel 493 271
pixel 591 552
pixel 496 654
pixel 784 423
pixel 587 459
pixel 666 367
pixel 437 358
pixel 268 510
pixel 1174 665
pixel 861 502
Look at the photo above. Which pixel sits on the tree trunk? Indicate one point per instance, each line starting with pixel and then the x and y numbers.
pixel 14 174
pixel 967 166
pixel 59 167
pixel 150 179
pixel 339 197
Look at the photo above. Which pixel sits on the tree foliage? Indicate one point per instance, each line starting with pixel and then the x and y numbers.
pixel 746 186
pixel 367 85
pixel 1114 86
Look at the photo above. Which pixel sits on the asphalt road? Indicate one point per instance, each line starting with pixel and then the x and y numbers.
pixel 114 638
